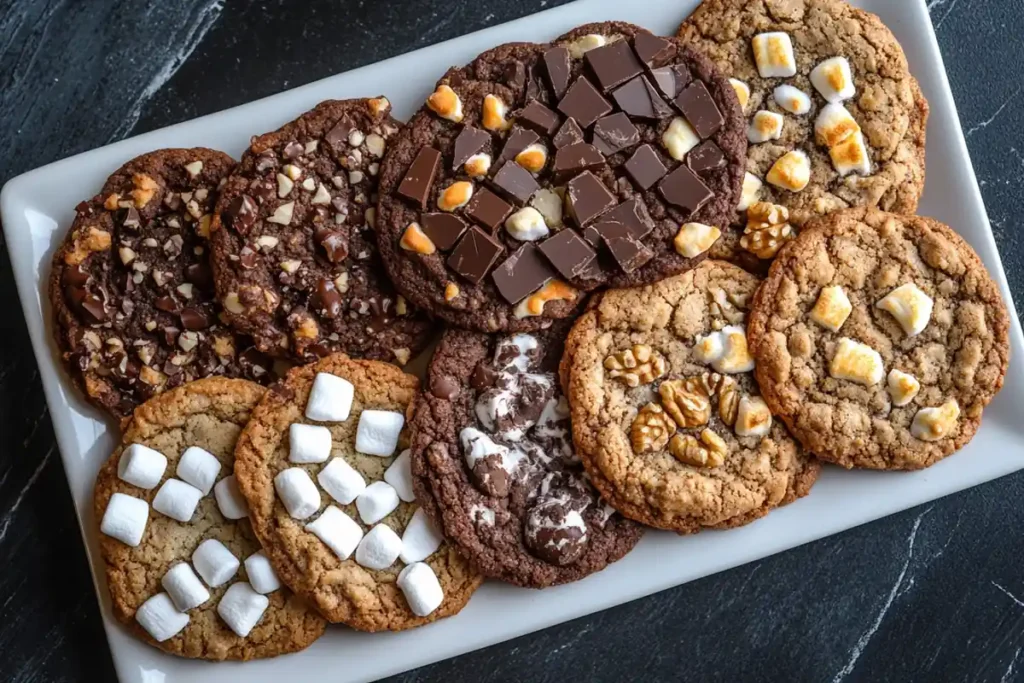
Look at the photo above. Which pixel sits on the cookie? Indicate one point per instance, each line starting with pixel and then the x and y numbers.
pixel 354 544
pixel 666 415
pixel 542 171
pixel 131 290
pixel 835 118
pixel 154 560
pixel 880 339
pixel 495 467
pixel 294 253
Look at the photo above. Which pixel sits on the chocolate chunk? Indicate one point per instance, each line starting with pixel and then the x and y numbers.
pixel 556 62
pixel 200 275
pixel 483 378
pixel 671 79
pixel 94 307
pixel 639 98
pixel 194 319
pixel 538 118
pixel 568 253
pixel 570 133
pixel 523 272
pixel 645 167
pixel 574 159
pixel 518 140
pixel 475 254
pixel 419 179
pixel 700 109
pixel 293 150
pixel 584 103
pixel 613 64
pixel 241 214
pixel 551 536
pixel 131 219
pixel 587 198
pixel 166 304
pixel 333 242
pixel 685 190
pixel 632 213
pixel 444 229
pixel 615 133
pixel 327 300
pixel 487 209
pixel 444 387
pixel 516 183
pixel 75 276
pixel 469 142
pixel 247 258
pixel 629 252
pixel 653 51
pixel 592 236
pixel 262 190
pixel 706 156
pixel 337 137
pixel 515 75
pixel 607 229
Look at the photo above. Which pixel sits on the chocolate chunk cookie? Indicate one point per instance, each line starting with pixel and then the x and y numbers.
pixel 495 466
pixel 131 289
pixel 666 416
pixel 294 252
pixel 880 339
pixel 835 118
pixel 354 543
pixel 541 171
pixel 177 584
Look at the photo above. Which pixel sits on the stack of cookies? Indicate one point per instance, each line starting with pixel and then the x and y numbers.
pixel 670 277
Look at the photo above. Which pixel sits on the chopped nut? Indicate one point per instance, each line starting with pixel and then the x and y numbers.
pixel 311 146
pixel 188 340
pixel 637 365
pixel 493 116
pixel 224 346
pixel 767 230
pixel 686 401
pixel 455 196
pixel 341 282
pixel 356 138
pixel 292 171
pixel 651 429
pixel 742 92
pixel 446 103
pixel 550 205
pixel 145 188
pixel 266 242
pixel 401 307
pixel 232 303
pixel 111 202
pixel 375 145
pixel 282 214
pixel 86 241
pixel 371 217
pixel 728 400
pixel 451 290
pixel 152 377
pixel 355 177
pixel 185 289
pixel 709 452
pixel 414 239
pixel 402 355
pixel 584 44
pixel 126 254
pixel 194 168
pixel 291 265
pixel 322 196
pixel 203 229
pixel 307 329
pixel 378 105
pixel 308 184
pixel 284 185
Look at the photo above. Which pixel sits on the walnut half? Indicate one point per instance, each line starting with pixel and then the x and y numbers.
pixel 709 452
pixel 687 401
pixel 651 429
pixel 635 366
pixel 767 230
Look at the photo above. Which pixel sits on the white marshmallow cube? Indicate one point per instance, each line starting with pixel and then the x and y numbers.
pixel 834 124
pixel 229 499
pixel 341 481
pixel 297 491
pixel 330 399
pixel 851 156
pixel 773 53
pixel 399 475
pixel 421 539
pixel 833 79
pixel 378 432
pixel 421 588
pixel 177 500
pixel 376 502
pixel 338 531
pixel 751 191
pixel 379 548
pixel 160 618
pixel 308 443
pixel 184 587
pixel 262 576
pixel 241 608
pixel 125 518
pixel 792 99
pixel 766 125
pixel 199 468
pixel 214 562
pixel 141 466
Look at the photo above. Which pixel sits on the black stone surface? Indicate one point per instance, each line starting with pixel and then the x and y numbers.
pixel 933 594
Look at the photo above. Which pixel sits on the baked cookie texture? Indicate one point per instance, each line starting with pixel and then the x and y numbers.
pixel 342 590
pixel 951 339
pixel 210 414
pixel 495 467
pixel 666 415
pixel 887 106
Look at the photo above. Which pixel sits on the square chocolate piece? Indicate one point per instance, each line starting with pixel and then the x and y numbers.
pixel 574 159
pixel 470 141
pixel 517 140
pixel 538 118
pixel 488 209
pixel 584 103
pixel 645 167
pixel 700 109
pixel 631 213
pixel 443 229
pixel 614 133
pixel 639 98
pixel 707 156
pixel 557 64
pixel 684 189
pixel 613 64
pixel 419 179
pixel 515 183
pixel 587 198
pixel 671 79
pixel 475 254
pixel 569 134
pixel 628 252
pixel 523 272
pixel 568 253
pixel 653 51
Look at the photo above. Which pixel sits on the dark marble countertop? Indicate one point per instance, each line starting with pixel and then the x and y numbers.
pixel 933 594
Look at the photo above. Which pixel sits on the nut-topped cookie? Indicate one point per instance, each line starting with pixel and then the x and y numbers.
pixel 325 468
pixel 835 119
pixel 294 253
pixel 542 171
pixel 131 289
pixel 185 572
pixel 880 339
pixel 666 415
pixel 495 467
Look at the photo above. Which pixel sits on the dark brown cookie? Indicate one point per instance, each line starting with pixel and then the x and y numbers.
pixel 524 511
pixel 131 288
pixel 294 253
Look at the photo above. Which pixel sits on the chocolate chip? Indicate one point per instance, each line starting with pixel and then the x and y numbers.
pixel 292 151
pixel 199 274
pixel 613 64
pixel 653 50
pixel 475 254
pixel 444 387
pixel 572 160
pixel 75 276
pixel 518 140
pixel 262 190
pixel 570 133
pixel 247 258
pixel 483 377
pixel 333 242
pixel 685 190
pixel 615 133
pixel 253 363
pixel 166 304
pixel 515 183
pixel 266 160
pixel 557 65
pixel 587 198
pixel 538 118
pixel 645 167
pixel 194 319
pixel 632 213
pixel 94 307
pixel 700 109
pixel 639 98
pixel 671 79
pixel 515 75
pixel 445 229
pixel 170 335
pixel 549 535
pixel 707 156
pixel 419 179
pixel 628 252
pixel 568 253
pixel 327 300
pixel 240 214
pixel 337 137
pixel 487 209
pixel 584 103
pixel 523 272
pixel 131 218
pixel 469 142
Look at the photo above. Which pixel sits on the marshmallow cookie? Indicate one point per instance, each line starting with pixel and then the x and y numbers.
pixel 835 118
pixel 666 415
pixel 325 468
pixel 540 172
pixel 879 339
pixel 294 252
pixel 495 466
pixel 131 289
pixel 184 569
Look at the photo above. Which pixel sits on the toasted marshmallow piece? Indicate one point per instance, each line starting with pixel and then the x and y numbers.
pixel 445 103
pixel 773 53
pixel 709 348
pixel 478 165
pixel 527 225
pixel 851 156
pixel 160 618
pixel 421 539
pixel 377 501
pixel 903 387
pixel 493 114
pixel 751 191
pixel 791 172
pixel 421 588
pixel 766 125
pixel 725 350
pixel 330 399
pixel 177 500
pixel 455 196
pixel 753 417
pixel 379 548
pixel 298 492
pixel 833 79
pixel 229 499
pixel 241 608
pixel 308 443
pixel 341 481
pixel 856 362
pixel 261 574
pixel 833 125
pixel 585 44
pixel 198 467
pixel 125 518
pixel 679 138
pixel 792 99
pixel 214 562
pixel 932 424
pixel 832 308
pixel 742 92
pixel 184 587
pixel 911 307
pixel 338 531
pixel 141 466
pixel 399 475
pixel 694 239
pixel 378 431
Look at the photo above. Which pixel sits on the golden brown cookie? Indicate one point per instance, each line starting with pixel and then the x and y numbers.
pixel 879 339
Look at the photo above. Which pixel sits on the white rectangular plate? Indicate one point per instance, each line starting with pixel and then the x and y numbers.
pixel 37 207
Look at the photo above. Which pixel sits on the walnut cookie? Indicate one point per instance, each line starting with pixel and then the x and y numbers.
pixel 208 414
pixel 666 416
pixel 879 339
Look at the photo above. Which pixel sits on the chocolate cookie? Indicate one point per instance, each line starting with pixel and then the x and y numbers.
pixel 539 172
pixel 354 543
pixel 131 289
pixel 495 466
pixel 294 252
pixel 880 339
pixel 160 534
pixel 666 416
pixel 835 118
